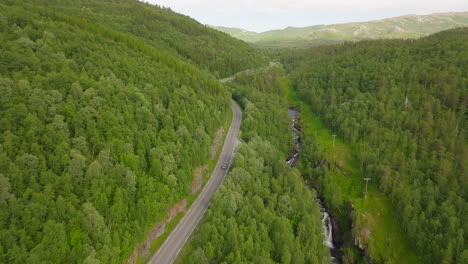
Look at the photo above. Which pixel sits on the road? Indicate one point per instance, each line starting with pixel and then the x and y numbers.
pixel 168 251
pixel 245 72
pixel 227 79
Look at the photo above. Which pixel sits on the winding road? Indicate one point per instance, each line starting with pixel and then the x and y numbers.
pixel 169 250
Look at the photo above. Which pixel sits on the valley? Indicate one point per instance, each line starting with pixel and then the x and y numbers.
pixel 131 133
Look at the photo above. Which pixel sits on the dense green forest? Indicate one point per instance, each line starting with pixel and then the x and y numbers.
pixel 108 106
pixel 263 212
pixel 100 130
pixel 178 34
pixel 402 106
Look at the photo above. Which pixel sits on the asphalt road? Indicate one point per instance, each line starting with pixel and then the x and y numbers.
pixel 168 251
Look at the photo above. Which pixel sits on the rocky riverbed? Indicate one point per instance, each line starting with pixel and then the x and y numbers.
pixel 328 223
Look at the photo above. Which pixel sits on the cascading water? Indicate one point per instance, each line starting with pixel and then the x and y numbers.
pixel 327 228
pixel 291 161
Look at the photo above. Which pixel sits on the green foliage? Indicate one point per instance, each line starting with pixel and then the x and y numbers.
pixel 263 212
pixel 160 27
pixel 372 220
pixel 263 103
pixel 402 105
pixel 100 129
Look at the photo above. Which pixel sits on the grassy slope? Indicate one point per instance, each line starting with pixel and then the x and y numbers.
pixel 387 242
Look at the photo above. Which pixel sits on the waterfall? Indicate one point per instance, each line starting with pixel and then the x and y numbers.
pixel 327 228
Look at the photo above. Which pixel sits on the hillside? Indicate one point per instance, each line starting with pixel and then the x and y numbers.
pixel 401 106
pixel 238 33
pixel 102 123
pixel 409 26
pixel 179 35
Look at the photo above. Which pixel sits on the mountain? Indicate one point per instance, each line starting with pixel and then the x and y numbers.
pixel 409 26
pixel 245 35
pixel 106 109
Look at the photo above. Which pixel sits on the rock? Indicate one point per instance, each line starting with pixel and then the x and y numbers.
pixel 144 248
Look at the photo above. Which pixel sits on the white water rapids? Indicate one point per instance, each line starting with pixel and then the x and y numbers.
pixel 327 227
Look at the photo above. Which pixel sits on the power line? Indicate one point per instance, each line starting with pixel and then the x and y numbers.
pixel 367 181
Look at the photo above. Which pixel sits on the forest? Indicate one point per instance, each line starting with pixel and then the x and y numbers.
pixel 263 212
pixel 101 124
pixel 160 27
pixel 108 106
pixel 402 106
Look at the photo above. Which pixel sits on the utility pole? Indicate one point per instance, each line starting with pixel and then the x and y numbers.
pixel 367 181
pixel 334 136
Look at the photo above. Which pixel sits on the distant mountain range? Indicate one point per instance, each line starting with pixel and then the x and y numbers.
pixel 408 26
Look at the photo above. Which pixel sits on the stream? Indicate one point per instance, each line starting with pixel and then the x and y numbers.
pixel 327 221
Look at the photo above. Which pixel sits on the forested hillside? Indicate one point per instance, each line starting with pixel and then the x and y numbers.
pixel 178 34
pixel 100 130
pixel 263 212
pixel 402 106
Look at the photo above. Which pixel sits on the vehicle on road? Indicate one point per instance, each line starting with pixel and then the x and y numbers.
pixel 224 166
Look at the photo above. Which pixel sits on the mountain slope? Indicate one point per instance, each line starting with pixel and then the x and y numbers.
pixel 245 35
pixel 409 26
pixel 402 106
pixel 182 36
pixel 100 129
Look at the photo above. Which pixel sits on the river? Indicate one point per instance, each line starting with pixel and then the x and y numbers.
pixel 291 160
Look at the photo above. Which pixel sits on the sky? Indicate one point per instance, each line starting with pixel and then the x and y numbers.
pixel 263 15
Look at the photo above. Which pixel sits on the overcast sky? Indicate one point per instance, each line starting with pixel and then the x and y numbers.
pixel 262 15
